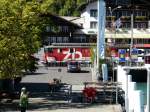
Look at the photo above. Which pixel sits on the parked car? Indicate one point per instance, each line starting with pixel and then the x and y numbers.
pixel 73 66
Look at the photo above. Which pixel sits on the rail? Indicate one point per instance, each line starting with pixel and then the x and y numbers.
pixel 61 90
pixel 106 91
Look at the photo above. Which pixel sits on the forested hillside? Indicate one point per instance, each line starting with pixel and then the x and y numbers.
pixel 62 7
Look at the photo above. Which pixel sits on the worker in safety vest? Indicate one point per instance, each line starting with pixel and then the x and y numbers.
pixel 23 100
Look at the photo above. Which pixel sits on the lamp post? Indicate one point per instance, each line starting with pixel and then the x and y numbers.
pixel 131 43
pixel 111 14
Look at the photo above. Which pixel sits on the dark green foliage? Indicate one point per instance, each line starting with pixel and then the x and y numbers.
pixel 20 28
pixel 62 7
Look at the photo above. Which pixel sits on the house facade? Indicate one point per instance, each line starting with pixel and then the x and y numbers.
pixel 81 31
pixel 60 30
pixel 62 43
pixel 120 37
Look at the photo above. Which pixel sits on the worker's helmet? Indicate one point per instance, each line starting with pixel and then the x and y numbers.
pixel 23 89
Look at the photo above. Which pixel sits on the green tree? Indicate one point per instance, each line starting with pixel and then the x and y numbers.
pixel 20 29
pixel 93 54
pixel 19 35
pixel 62 7
pixel 80 2
pixel 68 8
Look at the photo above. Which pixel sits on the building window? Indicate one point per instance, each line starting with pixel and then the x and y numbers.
pixel 108 13
pixel 65 39
pixel 126 25
pixel 140 25
pixel 59 39
pixel 53 39
pixel 93 25
pixel 83 39
pixel 143 25
pixel 122 2
pixel 140 13
pixel 144 13
pixel 126 13
pixel 93 13
pixel 65 29
pixel 48 29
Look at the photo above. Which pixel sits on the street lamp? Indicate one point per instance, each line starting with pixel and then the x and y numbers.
pixel 111 10
pixel 111 14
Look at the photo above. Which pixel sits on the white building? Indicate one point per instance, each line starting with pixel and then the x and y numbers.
pixel 122 35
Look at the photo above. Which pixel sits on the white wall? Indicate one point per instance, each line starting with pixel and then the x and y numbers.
pixel 86 15
pixel 134 99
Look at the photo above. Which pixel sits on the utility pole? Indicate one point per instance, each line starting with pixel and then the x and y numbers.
pixel 113 31
pixel 131 43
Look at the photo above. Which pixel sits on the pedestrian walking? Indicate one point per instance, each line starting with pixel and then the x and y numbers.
pixel 54 85
pixel 23 100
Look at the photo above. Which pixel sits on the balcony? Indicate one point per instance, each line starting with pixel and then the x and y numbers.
pixel 110 18
pixel 125 18
pixel 141 18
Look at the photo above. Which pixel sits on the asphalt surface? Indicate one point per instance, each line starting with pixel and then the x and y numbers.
pixel 38 82
pixel 38 88
pixel 40 99
pixel 46 74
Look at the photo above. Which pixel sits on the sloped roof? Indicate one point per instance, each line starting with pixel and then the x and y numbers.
pixel 60 20
pixel 75 20
pixel 69 18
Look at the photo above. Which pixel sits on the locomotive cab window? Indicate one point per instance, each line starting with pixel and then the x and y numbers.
pixel 60 50
pixel 71 50
pixel 50 50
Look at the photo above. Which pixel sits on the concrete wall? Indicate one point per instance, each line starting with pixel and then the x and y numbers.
pixel 134 99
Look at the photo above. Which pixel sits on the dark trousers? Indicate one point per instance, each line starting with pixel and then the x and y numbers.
pixel 23 109
pixel 54 88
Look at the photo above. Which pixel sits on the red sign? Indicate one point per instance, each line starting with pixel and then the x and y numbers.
pixel 65 54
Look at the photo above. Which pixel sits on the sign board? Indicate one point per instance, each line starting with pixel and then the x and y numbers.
pixel 122 53
pixel 134 55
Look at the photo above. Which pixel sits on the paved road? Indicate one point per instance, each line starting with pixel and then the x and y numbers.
pixel 45 74
pixel 48 106
pixel 40 99
pixel 38 82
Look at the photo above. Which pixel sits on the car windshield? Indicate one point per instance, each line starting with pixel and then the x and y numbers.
pixel 73 63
